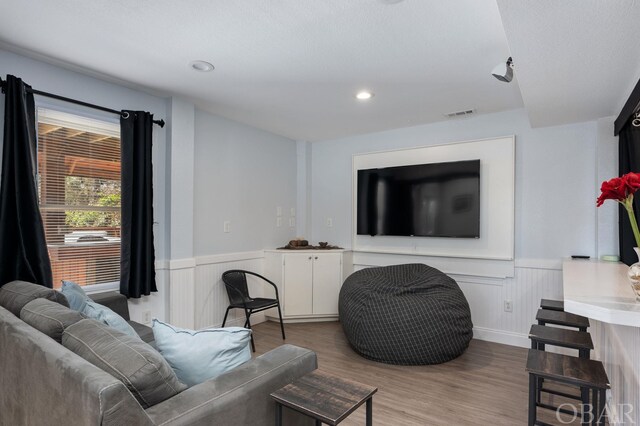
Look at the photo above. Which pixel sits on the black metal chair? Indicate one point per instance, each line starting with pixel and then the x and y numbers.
pixel 235 282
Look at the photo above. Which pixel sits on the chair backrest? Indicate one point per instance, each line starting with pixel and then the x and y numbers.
pixel 235 281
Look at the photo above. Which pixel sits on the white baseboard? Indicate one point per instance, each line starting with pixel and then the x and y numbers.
pixel 499 336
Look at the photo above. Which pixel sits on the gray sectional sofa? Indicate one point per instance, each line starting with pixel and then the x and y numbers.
pixel 44 383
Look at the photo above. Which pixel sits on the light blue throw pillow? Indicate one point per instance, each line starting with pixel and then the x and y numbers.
pixel 75 295
pixel 197 356
pixel 107 316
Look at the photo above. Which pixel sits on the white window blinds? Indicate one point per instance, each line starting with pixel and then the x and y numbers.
pixel 79 195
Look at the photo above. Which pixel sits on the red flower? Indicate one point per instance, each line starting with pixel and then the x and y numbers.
pixel 631 182
pixel 614 189
pixel 622 189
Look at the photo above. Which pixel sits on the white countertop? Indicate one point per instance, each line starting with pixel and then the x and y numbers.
pixel 599 290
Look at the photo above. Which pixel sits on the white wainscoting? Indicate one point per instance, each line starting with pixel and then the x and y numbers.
pixel 533 280
pixel 198 297
pixel 211 301
pixel 181 292
pixel 618 347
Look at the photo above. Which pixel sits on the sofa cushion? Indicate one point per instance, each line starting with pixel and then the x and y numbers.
pixel 16 294
pixel 75 295
pixel 144 332
pixel 197 356
pixel 107 316
pixel 49 317
pixel 140 367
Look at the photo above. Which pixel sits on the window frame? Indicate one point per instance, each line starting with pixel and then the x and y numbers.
pixel 86 116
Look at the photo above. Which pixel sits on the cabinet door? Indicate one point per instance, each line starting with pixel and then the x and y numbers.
pixel 298 284
pixel 327 280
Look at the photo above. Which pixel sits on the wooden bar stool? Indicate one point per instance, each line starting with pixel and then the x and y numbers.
pixel 541 335
pixel 588 375
pixel 552 305
pixel 545 316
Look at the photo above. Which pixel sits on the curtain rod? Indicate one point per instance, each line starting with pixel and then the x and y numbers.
pixel 630 107
pixel 3 85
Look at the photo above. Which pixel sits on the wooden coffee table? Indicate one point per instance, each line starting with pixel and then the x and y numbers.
pixel 326 398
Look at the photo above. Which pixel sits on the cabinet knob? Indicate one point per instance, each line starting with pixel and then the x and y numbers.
pixel 309 257
pixel 316 257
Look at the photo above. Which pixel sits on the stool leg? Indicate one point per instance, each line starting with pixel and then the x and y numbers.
pixel 595 404
pixel 586 406
pixel 535 344
pixel 278 414
pixel 541 345
pixel 370 411
pixel 602 406
pixel 533 392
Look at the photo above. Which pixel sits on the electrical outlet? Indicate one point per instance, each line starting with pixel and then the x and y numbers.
pixel 226 226
pixel 329 222
pixel 146 317
pixel 508 306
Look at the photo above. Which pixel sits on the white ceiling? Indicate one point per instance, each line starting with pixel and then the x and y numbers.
pixel 576 60
pixel 293 66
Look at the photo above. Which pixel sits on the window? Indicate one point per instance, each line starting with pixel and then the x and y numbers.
pixel 79 195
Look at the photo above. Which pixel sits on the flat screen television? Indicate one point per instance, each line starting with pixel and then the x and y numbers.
pixel 427 200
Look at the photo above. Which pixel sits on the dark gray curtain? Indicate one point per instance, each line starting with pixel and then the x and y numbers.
pixel 138 274
pixel 629 161
pixel 23 248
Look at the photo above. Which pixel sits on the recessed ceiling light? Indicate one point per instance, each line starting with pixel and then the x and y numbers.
pixel 202 66
pixel 364 95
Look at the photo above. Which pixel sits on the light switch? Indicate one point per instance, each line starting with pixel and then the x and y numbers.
pixel 329 222
pixel 292 212
pixel 226 226
pixel 292 222
pixel 279 211
pixel 278 222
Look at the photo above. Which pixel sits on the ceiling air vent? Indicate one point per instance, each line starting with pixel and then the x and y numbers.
pixel 462 113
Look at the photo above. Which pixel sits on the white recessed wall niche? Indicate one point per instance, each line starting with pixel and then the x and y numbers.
pixel 491 254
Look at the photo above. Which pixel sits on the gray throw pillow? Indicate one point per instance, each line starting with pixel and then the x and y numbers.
pixel 16 294
pixel 140 367
pixel 49 317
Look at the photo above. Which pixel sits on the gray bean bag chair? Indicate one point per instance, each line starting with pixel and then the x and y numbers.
pixel 405 314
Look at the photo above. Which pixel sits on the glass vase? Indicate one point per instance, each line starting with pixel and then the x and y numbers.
pixel 634 275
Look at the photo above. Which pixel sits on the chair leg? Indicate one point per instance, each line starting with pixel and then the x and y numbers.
pixel 281 325
pixel 248 325
pixel 224 321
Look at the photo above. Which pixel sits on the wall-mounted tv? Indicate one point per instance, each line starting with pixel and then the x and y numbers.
pixel 427 200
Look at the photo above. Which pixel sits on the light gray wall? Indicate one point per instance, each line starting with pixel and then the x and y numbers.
pixel 53 79
pixel 242 175
pixel 607 154
pixel 555 179
pixel 180 178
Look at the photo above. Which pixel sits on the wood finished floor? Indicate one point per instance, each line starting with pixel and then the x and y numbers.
pixel 485 386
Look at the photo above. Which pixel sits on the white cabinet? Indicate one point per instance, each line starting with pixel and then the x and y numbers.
pixel 308 281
